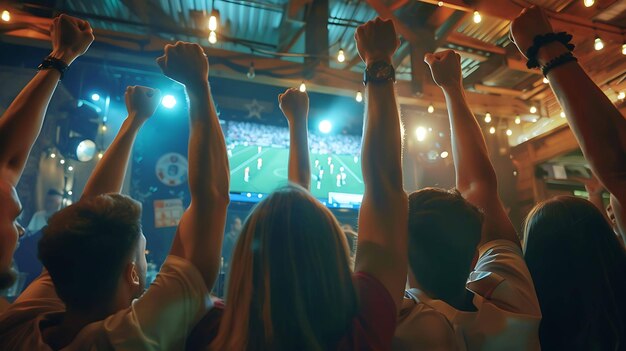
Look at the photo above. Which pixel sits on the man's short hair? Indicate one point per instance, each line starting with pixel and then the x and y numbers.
pixel 444 232
pixel 85 248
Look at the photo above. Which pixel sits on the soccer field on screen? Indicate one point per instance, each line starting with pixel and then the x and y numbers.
pixel 271 172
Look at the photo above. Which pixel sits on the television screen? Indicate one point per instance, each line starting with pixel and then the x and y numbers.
pixel 259 155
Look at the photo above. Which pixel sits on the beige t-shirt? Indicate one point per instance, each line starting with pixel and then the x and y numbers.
pixel 160 319
pixel 507 316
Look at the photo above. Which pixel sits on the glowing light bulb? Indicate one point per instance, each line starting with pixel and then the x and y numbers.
pixel 545 80
pixel 562 114
pixel 518 120
pixel 341 56
pixel 492 130
pixel 444 154
pixel 213 23
pixel 440 3
pixel 420 133
pixel 53 155
pixel 431 108
pixel 534 120
pixel 621 95
pixel 533 109
pixel 6 16
pixel 488 117
pixel 303 87
pixel 62 161
pixel 359 96
pixel 477 17
pixel 598 44
pixel 103 128
pixel 100 155
pixel 589 3
pixel 624 49
pixel 70 168
pixel 509 132
pixel 212 37
pixel 69 192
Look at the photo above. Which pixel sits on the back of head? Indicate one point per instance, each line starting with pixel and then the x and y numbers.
pixel 444 232
pixel 86 246
pixel 290 286
pixel 579 270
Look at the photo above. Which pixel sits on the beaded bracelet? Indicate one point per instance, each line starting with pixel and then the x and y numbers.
pixel 558 61
pixel 541 40
pixel 50 62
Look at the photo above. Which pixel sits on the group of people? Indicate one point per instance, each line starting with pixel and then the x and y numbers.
pixel 473 285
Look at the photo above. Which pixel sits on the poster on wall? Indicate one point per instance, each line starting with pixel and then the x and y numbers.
pixel 167 213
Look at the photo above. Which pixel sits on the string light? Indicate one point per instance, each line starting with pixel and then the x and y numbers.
pixel 562 114
pixel 62 161
pixel 431 108
pixel 212 37
pixel 6 16
pixel 518 120
pixel 534 120
pixel 545 80
pixel 492 130
pixel 440 3
pixel 533 109
pixel 69 192
pixel 509 132
pixel 598 44
pixel 214 20
pixel 444 154
pixel 70 168
pixel 359 96
pixel 488 117
pixel 103 128
pixel 303 87
pixel 53 155
pixel 621 95
pixel 100 155
pixel 341 56
pixel 589 3
pixel 624 49
pixel 477 17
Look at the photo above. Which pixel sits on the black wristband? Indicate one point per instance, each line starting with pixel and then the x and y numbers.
pixel 557 61
pixel 51 62
pixel 541 40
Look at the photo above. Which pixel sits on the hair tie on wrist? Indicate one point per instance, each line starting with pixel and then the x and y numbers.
pixel 541 40
pixel 558 61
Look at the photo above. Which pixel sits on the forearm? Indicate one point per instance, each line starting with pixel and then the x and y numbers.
pixel 108 176
pixel 299 164
pixel 469 150
pixel 22 121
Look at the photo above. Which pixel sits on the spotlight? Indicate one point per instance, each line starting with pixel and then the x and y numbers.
pixel 53 155
pixel 251 72
pixel 212 37
pixel 509 132
pixel 359 96
pixel 325 126
pixel 213 20
pixel 70 168
pixel 95 97
pixel 168 101
pixel 562 114
pixel 420 133
pixel 62 161
pixel 341 56
pixel 431 108
pixel 303 87
pixel 444 154
pixel 477 17
pixel 545 80
pixel 533 109
pixel 81 149
pixel 589 3
pixel 518 120
pixel 598 44
pixel 621 95
pixel 492 130
pixel 6 16
pixel 488 117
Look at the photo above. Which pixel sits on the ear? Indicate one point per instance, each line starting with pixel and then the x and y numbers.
pixel 133 275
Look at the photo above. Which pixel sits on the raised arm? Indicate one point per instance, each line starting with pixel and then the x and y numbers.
pixel 475 176
pixel 384 211
pixel 295 107
pixel 201 229
pixel 597 124
pixel 108 176
pixel 21 122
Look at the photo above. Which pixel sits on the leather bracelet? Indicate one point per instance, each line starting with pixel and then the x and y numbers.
pixel 558 61
pixel 541 40
pixel 53 63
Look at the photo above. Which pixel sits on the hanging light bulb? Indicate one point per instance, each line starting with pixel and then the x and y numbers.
pixel 509 132
pixel 518 120
pixel 251 72
pixel 62 161
pixel 214 20
pixel 492 130
pixel 6 16
pixel 477 17
pixel 53 155
pixel 103 128
pixel 621 95
pixel 100 155
pixel 359 96
pixel 545 80
pixel 589 3
pixel 598 44
pixel 624 49
pixel 533 109
pixel 212 37
pixel 431 108
pixel 70 193
pixel 341 56
pixel 70 168
pixel 562 114
pixel 303 87
pixel 488 117
pixel 534 120
pixel 440 3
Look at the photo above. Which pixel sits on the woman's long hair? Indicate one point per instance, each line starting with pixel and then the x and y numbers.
pixel 290 285
pixel 579 270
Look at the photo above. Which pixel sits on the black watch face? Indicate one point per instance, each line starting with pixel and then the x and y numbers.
pixel 380 72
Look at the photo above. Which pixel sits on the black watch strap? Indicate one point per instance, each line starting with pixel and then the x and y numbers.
pixel 52 63
pixel 379 72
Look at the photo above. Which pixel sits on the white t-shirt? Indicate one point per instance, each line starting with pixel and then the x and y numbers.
pixel 508 313
pixel 160 319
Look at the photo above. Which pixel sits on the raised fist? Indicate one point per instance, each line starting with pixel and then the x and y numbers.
pixel 445 67
pixel 141 102
pixel 376 41
pixel 185 63
pixel 529 23
pixel 71 37
pixel 294 104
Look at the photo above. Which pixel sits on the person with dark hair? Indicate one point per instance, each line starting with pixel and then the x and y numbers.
pixel 575 259
pixel 52 203
pixel 21 123
pixel 489 304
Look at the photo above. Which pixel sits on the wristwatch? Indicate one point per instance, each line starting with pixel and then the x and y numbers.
pixel 379 72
